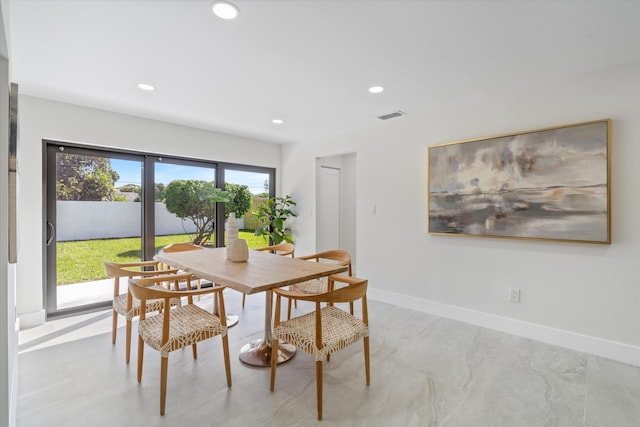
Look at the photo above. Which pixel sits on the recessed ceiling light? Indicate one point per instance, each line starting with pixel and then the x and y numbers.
pixel 376 89
pixel 225 10
pixel 277 121
pixel 145 86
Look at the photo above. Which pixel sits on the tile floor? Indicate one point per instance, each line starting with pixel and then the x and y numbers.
pixel 426 371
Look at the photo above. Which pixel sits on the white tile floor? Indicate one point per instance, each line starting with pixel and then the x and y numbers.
pixel 426 371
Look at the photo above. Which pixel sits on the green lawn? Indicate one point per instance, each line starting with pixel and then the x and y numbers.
pixel 83 260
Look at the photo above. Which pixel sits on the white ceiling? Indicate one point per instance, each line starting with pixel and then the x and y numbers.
pixel 307 62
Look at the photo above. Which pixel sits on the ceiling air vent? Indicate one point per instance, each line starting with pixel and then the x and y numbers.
pixel 392 115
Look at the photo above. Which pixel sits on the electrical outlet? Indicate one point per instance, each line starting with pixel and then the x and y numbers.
pixel 514 295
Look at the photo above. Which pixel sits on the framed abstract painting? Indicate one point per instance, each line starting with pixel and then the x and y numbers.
pixel 547 184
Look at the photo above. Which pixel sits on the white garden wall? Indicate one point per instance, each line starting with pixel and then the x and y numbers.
pixel 85 220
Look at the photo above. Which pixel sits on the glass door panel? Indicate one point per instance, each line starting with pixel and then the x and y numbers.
pixel 182 211
pixel 93 215
pixel 250 189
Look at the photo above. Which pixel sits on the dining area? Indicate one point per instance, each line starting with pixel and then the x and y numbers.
pixel 176 312
pixel 232 370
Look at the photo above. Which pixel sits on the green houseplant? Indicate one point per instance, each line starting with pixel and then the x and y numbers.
pixel 272 217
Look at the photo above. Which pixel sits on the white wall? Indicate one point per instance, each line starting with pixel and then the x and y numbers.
pixel 580 296
pixel 44 119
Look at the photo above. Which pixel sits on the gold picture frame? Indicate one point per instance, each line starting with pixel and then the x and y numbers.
pixel 545 184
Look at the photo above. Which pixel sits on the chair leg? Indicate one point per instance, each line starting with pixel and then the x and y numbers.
pixel 289 309
pixel 351 307
pixel 366 360
pixel 164 366
pixel 227 361
pixel 128 344
pixel 140 357
pixel 195 351
pixel 114 327
pixel 274 362
pixel 243 298
pixel 319 387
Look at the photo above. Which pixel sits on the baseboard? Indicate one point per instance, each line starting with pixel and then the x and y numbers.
pixel 613 350
pixel 33 319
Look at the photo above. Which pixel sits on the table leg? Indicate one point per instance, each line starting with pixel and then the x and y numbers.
pixel 259 352
pixel 232 319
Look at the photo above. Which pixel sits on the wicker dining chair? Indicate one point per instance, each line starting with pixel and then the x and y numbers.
pixel 284 249
pixel 178 327
pixel 123 304
pixel 327 329
pixel 315 286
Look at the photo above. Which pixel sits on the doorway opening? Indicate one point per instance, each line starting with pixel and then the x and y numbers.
pixel 336 203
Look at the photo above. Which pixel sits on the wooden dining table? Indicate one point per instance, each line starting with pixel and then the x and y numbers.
pixel 262 272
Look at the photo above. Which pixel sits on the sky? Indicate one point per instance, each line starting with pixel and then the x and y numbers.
pixel 130 173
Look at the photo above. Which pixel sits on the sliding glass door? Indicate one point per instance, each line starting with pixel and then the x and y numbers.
pixel 118 206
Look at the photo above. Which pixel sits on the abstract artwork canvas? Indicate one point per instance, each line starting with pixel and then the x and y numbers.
pixel 551 184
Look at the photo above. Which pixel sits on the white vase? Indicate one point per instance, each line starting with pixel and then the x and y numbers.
pixel 238 251
pixel 232 232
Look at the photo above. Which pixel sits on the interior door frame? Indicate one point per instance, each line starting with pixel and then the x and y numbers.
pixel 325 209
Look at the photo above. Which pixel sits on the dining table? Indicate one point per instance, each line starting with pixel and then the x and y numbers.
pixel 262 272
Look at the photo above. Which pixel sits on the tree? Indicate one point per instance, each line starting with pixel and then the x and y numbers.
pixel 130 188
pixel 272 217
pixel 195 200
pixel 160 188
pixel 240 200
pixel 135 188
pixel 85 178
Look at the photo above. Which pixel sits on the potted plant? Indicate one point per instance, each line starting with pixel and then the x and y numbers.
pixel 272 217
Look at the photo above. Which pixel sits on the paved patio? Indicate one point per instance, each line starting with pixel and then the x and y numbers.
pixel 86 293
